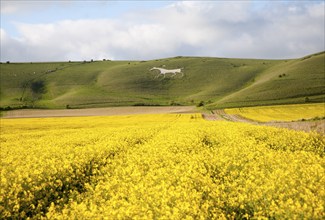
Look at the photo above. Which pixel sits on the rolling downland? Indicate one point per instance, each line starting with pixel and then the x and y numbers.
pixel 214 82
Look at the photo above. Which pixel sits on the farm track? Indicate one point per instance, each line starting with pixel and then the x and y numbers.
pixel 236 118
pixel 212 117
pixel 307 126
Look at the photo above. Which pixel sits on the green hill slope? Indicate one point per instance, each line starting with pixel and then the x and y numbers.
pixel 219 82
pixel 291 81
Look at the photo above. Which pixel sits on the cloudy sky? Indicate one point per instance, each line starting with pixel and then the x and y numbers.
pixel 141 30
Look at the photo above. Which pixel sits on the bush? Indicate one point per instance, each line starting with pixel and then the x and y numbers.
pixel 38 87
pixel 173 103
pixel 7 108
pixel 200 104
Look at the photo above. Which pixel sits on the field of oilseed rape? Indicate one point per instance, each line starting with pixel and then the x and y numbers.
pixel 168 166
pixel 291 112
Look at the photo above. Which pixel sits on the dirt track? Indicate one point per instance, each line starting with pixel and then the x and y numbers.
pixel 33 113
pixel 308 126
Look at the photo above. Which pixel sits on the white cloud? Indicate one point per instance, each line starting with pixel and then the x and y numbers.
pixel 230 29
pixel 11 48
pixel 317 10
pixel 29 6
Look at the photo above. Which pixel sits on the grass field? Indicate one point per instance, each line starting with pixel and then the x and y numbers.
pixel 166 166
pixel 281 112
pixel 216 82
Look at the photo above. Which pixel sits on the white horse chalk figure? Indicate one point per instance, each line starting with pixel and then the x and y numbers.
pixel 165 71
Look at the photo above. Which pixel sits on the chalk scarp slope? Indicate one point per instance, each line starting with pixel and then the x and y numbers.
pixel 290 81
pixel 217 82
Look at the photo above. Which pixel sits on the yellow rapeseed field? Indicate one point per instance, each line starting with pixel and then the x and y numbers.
pixel 174 166
pixel 280 112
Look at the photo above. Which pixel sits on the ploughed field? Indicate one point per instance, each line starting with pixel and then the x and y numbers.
pixel 161 166
pixel 124 110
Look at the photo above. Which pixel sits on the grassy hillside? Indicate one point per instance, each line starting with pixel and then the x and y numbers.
pixel 290 81
pixel 219 82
